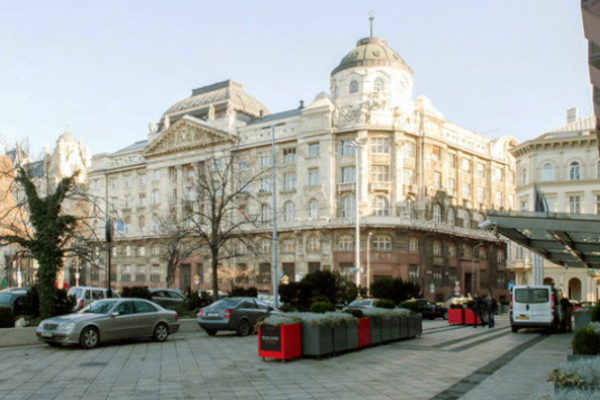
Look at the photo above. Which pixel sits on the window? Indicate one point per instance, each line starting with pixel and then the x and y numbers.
pixel 128 200
pixel 437 247
pixel 451 216
pixel 289 211
pixel 155 197
pixel 500 255
pixel 413 274
pixel 547 172
pixel 381 206
pixel 380 173
pixel 114 203
pixel 289 182
pixel 126 273
pixel 409 150
pixel 156 175
pixel 265 160
pixel 380 146
pixel 155 275
pixel 314 149
pixel 452 275
pixel 451 186
pixel 128 180
pixel 382 243
pixel 466 219
pixel 452 160
pixel 313 209
pixel 437 276
pixel 314 244
pixel 345 243
pixel 243 165
pixel 96 184
pixel 524 176
pixel 512 177
pixel 575 204
pixel 265 185
pixel 466 190
pixel 523 205
pixel 574 171
pixel 313 177
pixel 114 184
pixel 437 213
pixel 466 165
pixel 480 194
pixel 480 170
pixel 498 175
pixel 142 222
pixel 353 86
pixel 452 251
pixel 241 248
pixel 413 245
pixel 483 279
pixel 437 180
pixel 498 200
pixel 156 250
pixel 142 251
pixel 140 273
pixel 142 179
pixel 379 85
pixel 482 253
pixel 265 212
pixel 409 176
pixel 265 246
pixel 142 200
pixel 348 174
pixel 347 148
pixel 289 155
pixel 288 246
pixel 173 173
pixel 435 153
pixel 347 207
pixel 467 251
pixel 264 273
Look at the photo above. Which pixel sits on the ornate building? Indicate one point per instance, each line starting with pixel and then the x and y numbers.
pixel 423 183
pixel 564 165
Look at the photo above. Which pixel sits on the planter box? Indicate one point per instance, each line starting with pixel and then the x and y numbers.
pixel 352 335
pixel 280 342
pixel 404 328
pixel 375 324
pixel 317 340
pixel 577 357
pixel 386 329
pixel 395 328
pixel 470 318
pixel 582 319
pixel 574 390
pixel 456 316
pixel 364 332
pixel 415 325
pixel 340 338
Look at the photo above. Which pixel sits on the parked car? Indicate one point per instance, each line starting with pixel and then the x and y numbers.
pixel 363 303
pixel 427 308
pixel 86 295
pixel 238 314
pixel 14 299
pixel 587 304
pixel 537 306
pixel 109 319
pixel 167 297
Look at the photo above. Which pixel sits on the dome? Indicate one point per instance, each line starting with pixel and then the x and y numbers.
pixel 67 137
pixel 370 52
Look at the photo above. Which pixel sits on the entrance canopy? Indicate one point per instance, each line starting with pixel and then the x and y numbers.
pixel 571 240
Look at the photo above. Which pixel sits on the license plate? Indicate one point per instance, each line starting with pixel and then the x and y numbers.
pixel 522 317
pixel 213 314
pixel 46 334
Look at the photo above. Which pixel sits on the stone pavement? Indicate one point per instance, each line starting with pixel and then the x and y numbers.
pixel 447 362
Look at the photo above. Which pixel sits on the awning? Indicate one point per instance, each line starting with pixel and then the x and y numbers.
pixel 571 240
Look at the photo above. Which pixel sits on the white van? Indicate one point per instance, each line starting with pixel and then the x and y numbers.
pixel 536 306
pixel 86 295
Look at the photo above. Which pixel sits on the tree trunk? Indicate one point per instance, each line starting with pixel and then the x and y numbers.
pixel 215 278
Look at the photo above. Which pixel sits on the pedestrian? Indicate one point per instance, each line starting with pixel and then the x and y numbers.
pixel 492 309
pixel 477 308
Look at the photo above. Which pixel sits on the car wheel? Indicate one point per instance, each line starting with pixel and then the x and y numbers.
pixel 243 328
pixel 161 332
pixel 89 337
pixel 515 329
pixel 445 316
pixel 211 332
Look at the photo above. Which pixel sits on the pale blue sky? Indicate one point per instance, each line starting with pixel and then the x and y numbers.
pixel 509 67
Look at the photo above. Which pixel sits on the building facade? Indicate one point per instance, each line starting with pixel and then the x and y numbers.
pixel 420 183
pixel 564 165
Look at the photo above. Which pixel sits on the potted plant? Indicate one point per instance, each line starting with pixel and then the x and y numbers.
pixel 375 321
pixel 279 337
pixel 319 331
pixel 586 343
pixel 580 375
pixel 352 330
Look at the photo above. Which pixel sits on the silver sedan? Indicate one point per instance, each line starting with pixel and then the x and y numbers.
pixel 110 319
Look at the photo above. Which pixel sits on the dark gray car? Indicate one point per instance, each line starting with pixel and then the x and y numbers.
pixel 167 297
pixel 238 314
pixel 14 299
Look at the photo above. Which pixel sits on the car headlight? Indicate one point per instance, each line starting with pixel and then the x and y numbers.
pixel 66 326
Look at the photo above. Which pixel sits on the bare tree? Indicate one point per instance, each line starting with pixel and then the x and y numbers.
pixel 233 272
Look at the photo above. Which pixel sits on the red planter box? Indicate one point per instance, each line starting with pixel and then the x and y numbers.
pixel 281 342
pixel 364 332
pixel 470 318
pixel 456 316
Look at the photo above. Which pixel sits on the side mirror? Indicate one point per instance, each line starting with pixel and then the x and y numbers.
pixel 115 314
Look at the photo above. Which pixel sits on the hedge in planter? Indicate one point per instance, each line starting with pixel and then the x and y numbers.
pixel 587 340
pixel 279 337
pixel 318 332
pixel 581 375
pixel 7 318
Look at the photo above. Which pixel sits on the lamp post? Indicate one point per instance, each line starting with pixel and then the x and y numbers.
pixel 109 229
pixel 356 144
pixel 369 262
pixel 473 266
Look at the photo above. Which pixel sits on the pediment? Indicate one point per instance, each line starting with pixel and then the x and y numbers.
pixel 187 134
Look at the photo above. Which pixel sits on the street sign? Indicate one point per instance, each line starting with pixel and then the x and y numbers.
pixel 431 288
pixel 196 277
pixel 457 288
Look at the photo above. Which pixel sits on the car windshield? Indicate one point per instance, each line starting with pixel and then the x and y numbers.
pixel 5 298
pixel 99 307
pixel 226 303
pixel 361 303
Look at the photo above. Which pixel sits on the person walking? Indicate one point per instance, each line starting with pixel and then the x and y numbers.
pixel 492 309
pixel 477 308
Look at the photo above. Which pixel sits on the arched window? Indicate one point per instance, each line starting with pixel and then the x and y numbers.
pixel 289 211
pixel 437 213
pixel 353 86
pixel 451 216
pixel 347 207
pixel 345 243
pixel 437 247
pixel 524 177
pixel 574 171
pixel 381 206
pixel 379 85
pixel 382 243
pixel 314 244
pixel 452 250
pixel 548 172
pixel 265 212
pixel 313 209
pixel 466 219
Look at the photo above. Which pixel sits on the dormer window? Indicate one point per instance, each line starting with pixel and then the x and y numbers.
pixel 379 85
pixel 353 86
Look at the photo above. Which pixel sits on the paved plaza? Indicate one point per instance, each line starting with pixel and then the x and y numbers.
pixel 447 362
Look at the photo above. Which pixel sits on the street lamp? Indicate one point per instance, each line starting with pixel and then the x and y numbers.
pixel 356 144
pixel 473 266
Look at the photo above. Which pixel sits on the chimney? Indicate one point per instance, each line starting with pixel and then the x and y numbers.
pixel 572 115
pixel 301 104
pixel 262 113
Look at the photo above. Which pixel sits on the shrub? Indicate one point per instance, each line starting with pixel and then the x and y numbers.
pixel 395 289
pixel 355 312
pixel 586 341
pixel 140 292
pixel 296 294
pixel 596 312
pixel 196 301
pixel 242 292
pixel 288 308
pixel 64 304
pixel 32 302
pixel 321 307
pixel 329 286
pixel 409 305
pixel 385 304
pixel 7 318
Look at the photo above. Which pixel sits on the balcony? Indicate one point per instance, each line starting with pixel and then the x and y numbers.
pixel 346 187
pixel 380 186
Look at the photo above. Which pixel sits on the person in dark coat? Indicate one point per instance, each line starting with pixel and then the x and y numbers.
pixel 492 309
pixel 477 308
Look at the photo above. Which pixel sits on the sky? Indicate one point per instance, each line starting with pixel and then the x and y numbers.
pixel 104 69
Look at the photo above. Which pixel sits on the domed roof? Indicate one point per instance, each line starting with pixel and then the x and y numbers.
pixel 218 95
pixel 370 52
pixel 67 137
